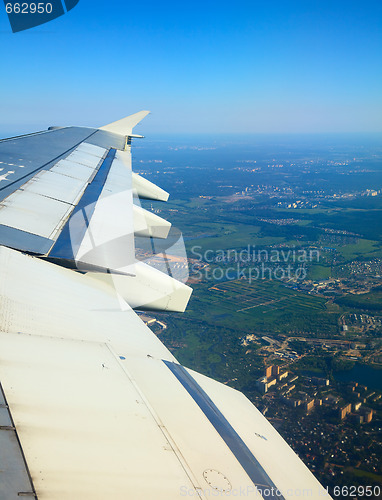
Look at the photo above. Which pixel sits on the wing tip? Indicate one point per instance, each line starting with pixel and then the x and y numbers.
pixel 124 126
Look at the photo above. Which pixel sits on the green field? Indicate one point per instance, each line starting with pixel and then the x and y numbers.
pixel 212 225
pixel 227 236
pixel 262 306
pixel 361 248
pixel 317 272
pixel 371 301
pixel 269 306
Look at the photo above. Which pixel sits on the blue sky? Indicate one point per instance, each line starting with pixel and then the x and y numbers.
pixel 277 66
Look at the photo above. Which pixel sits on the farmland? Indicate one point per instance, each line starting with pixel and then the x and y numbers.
pixel 267 306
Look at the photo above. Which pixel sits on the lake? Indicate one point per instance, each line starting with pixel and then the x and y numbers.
pixel 364 375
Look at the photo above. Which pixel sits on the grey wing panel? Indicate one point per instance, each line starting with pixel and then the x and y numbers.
pixel 21 157
pixel 38 183
pixel 24 241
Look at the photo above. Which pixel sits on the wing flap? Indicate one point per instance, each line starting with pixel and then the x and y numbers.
pixel 40 207
pixel 33 213
pixel 80 211
pixel 55 185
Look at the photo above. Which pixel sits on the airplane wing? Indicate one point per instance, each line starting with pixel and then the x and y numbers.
pixel 92 404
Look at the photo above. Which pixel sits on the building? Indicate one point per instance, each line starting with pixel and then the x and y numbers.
pixel 268 372
pixel 357 406
pixel 290 389
pixel 344 411
pixel 368 415
pixel 272 371
pixel 358 419
pixel 294 378
pixel 275 371
pixel 283 375
pixel 270 379
pixel 309 405
pixel 320 381
pixel 332 399
pixel 292 402
pixel 271 382
pixel 262 384
pixel 148 320
pixel 370 395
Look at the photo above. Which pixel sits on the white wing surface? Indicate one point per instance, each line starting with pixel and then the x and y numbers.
pixel 92 405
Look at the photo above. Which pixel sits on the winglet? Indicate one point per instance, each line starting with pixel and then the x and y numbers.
pixel 126 125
